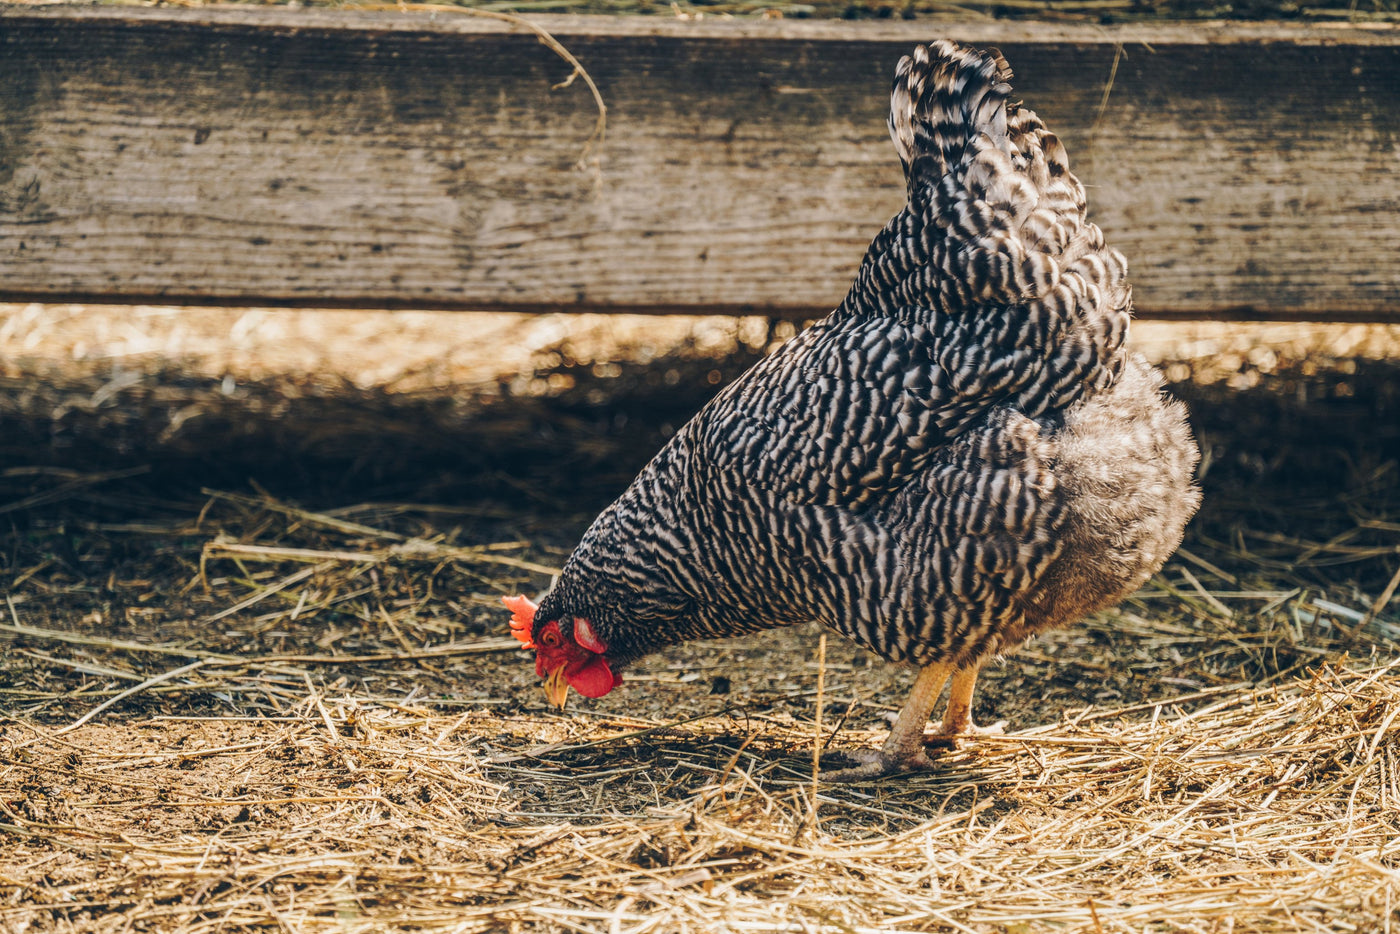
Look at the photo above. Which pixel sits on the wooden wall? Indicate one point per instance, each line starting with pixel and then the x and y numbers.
pixel 401 160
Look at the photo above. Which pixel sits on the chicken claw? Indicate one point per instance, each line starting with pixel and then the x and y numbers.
pixel 878 763
pixel 904 750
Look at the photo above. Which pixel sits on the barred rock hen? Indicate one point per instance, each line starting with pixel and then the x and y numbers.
pixel 961 455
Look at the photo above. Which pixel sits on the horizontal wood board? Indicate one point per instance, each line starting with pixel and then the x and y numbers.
pixel 385 160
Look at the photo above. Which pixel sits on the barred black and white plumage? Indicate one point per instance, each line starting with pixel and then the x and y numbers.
pixel 962 454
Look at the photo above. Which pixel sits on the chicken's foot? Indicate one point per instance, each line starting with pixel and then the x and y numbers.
pixel 904 750
pixel 957 718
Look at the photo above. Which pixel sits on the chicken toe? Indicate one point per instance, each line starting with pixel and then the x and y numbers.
pixel 904 750
pixel 957 718
pixel 878 763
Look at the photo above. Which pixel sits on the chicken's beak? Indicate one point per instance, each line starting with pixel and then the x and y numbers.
pixel 556 688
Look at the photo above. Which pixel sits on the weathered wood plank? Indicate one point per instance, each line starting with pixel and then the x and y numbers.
pixel 316 158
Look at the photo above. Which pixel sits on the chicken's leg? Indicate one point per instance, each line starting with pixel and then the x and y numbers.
pixel 904 750
pixel 957 719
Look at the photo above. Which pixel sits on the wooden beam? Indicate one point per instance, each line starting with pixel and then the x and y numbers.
pixel 395 160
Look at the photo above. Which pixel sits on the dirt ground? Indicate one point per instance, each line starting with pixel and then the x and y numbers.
pixel 255 674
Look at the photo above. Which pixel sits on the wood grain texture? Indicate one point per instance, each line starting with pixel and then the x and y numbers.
pixel 316 158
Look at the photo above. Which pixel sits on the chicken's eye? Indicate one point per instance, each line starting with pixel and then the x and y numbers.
pixel 550 638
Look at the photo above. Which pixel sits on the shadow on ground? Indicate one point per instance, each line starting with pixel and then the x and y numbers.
pixel 110 527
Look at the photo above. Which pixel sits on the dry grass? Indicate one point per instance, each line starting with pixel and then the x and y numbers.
pixel 1274 808
pixel 287 704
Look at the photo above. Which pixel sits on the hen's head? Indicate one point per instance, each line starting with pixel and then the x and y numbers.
pixel 568 652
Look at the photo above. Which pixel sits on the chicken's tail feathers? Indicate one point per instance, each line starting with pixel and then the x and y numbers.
pixel 944 97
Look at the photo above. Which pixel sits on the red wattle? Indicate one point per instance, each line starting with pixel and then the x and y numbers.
pixel 594 679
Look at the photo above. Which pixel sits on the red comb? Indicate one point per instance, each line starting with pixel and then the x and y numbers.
pixel 522 619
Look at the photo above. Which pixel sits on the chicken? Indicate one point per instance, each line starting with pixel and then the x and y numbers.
pixel 961 455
